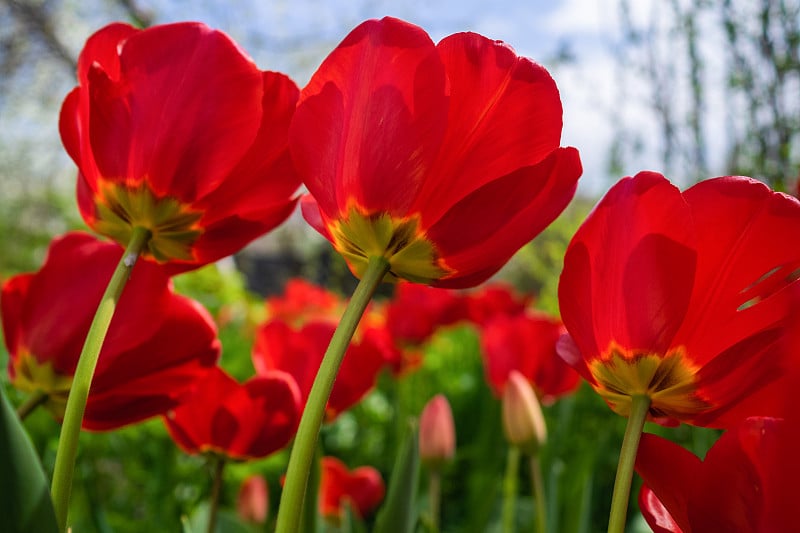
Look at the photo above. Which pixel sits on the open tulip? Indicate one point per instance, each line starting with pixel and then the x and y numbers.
pixel 177 132
pixel 158 344
pixel 416 311
pixel 495 300
pixel 237 421
pixel 681 297
pixel 526 343
pixel 361 488
pixel 443 160
pixel 294 338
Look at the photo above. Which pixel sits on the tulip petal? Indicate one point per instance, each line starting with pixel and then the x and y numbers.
pixel 743 231
pixel 610 257
pixel 512 209
pixel 369 138
pixel 667 469
pixel 505 113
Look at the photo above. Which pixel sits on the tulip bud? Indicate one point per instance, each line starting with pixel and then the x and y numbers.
pixel 252 504
pixel 437 434
pixel 523 421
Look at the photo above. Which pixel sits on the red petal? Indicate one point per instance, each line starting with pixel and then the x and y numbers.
pixel 369 122
pixel 655 514
pixel 670 472
pixel 102 48
pixel 505 113
pixel 265 178
pixel 12 302
pixel 180 114
pixel 743 231
pixel 639 238
pixel 512 211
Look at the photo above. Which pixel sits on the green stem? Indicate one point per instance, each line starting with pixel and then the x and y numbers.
pixel 538 494
pixel 31 402
pixel 82 380
pixel 510 489
pixel 435 497
pixel 640 405
pixel 290 508
pixel 216 488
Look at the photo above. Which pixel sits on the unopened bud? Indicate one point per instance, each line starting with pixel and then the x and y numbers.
pixel 523 421
pixel 252 503
pixel 437 433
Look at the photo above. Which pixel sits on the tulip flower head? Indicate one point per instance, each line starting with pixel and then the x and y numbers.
pixel 361 488
pixel 682 297
pixel 437 433
pixel 176 131
pixel 442 159
pixel 295 336
pixel 526 343
pixel 158 344
pixel 238 421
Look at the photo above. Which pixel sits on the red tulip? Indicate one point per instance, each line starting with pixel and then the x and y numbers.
pixel 682 297
pixel 156 348
pixel 362 489
pixel 291 344
pixel 239 421
pixel 417 311
pixel 174 129
pixel 443 159
pixel 526 343
pixel 496 300
pixel 747 481
pixel 302 302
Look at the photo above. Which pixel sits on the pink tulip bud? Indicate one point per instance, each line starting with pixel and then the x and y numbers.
pixel 252 503
pixel 523 420
pixel 437 433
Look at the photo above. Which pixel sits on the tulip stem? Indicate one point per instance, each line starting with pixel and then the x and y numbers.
pixel 291 505
pixel 82 380
pixel 510 483
pixel 640 405
pixel 435 497
pixel 216 488
pixel 538 494
pixel 31 402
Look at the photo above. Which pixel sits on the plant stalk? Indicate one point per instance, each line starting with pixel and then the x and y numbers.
pixel 510 482
pixel 290 509
pixel 640 405
pixel 84 372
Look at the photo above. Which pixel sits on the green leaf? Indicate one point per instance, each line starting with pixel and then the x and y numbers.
pixel 25 503
pixel 398 514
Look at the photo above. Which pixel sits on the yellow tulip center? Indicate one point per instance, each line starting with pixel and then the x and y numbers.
pixel 173 226
pixel 410 254
pixel 32 376
pixel 668 380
